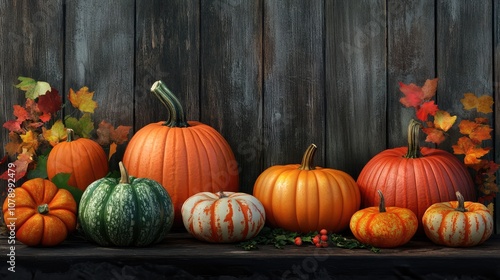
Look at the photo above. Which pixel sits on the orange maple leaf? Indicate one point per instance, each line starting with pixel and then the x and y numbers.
pixel 14 145
pixel 443 120
pixel 482 104
pixel 466 127
pixel 82 100
pixel 30 142
pixel 434 135
pixel 472 152
pixel 107 134
pixel 481 133
pixel 429 88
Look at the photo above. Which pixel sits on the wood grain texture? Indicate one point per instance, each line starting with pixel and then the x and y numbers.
pixel 231 75
pixel 167 49
pixel 411 59
pixel 464 57
pixel 356 86
pixel 99 51
pixel 294 108
pixel 496 96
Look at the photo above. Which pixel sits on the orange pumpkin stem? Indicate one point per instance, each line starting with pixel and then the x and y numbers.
pixel 124 178
pixel 176 115
pixel 308 158
pixel 43 209
pixel 461 202
pixel 413 135
pixel 381 205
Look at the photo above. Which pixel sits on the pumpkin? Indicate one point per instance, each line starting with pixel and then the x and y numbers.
pixel 304 198
pixel 83 158
pixel 186 157
pixel 40 213
pixel 125 212
pixel 413 177
pixel 458 223
pixel 223 217
pixel 384 227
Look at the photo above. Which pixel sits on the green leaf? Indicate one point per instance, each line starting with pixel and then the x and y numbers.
pixel 61 181
pixel 40 170
pixel 25 83
pixel 82 127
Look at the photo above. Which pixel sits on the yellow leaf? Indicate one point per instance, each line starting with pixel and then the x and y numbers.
pixel 82 100
pixel 56 133
pixel 30 142
pixel 443 120
pixel 485 103
pixel 469 101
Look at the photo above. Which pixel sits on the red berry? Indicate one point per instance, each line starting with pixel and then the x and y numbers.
pixel 298 241
pixel 318 245
pixel 316 239
pixel 323 232
pixel 324 237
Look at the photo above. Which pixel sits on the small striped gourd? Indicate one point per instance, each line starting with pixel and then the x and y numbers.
pixel 126 212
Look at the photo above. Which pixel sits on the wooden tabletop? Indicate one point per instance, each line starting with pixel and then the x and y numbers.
pixel 182 257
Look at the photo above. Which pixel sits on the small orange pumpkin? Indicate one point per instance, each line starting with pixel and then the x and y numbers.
pixel 40 213
pixel 304 198
pixel 384 227
pixel 83 158
pixel 458 223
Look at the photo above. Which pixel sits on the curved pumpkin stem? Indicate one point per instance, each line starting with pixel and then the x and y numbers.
pixel 413 137
pixel 124 178
pixel 461 202
pixel 381 205
pixel 43 209
pixel 308 158
pixel 176 115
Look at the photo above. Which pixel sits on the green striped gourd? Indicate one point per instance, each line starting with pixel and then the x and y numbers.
pixel 125 212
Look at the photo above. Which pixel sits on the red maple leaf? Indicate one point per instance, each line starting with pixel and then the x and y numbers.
pixel 426 109
pixel 14 126
pixel 413 95
pixel 50 102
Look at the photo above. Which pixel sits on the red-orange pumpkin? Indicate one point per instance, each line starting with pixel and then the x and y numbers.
pixel 40 213
pixel 83 158
pixel 186 157
pixel 413 177
pixel 304 198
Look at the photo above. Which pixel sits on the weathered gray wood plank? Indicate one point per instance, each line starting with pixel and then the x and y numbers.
pixel 231 79
pixel 411 59
pixel 294 108
pixel 99 52
pixel 496 96
pixel 167 49
pixel 356 86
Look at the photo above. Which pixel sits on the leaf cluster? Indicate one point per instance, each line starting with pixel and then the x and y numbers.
pixel 436 123
pixel 38 126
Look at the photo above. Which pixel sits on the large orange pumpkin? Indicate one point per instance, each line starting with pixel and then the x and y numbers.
pixel 304 198
pixel 413 177
pixel 186 157
pixel 83 158
pixel 40 213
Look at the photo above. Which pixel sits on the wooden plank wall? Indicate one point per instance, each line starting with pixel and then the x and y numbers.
pixel 272 76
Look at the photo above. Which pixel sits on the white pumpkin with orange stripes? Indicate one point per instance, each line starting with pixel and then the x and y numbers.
pixel 223 217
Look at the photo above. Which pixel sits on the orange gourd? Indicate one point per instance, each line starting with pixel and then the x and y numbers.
pixel 40 213
pixel 83 158
pixel 304 198
pixel 186 157
pixel 458 223
pixel 413 177
pixel 384 227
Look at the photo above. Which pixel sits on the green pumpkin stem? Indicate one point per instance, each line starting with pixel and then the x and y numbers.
pixel 381 205
pixel 308 158
pixel 124 178
pixel 43 209
pixel 413 137
pixel 70 135
pixel 176 115
pixel 461 202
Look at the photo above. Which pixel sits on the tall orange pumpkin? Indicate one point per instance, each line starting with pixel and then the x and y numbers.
pixel 413 177
pixel 186 157
pixel 304 198
pixel 83 158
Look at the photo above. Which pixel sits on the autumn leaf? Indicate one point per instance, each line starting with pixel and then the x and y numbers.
pixel 443 120
pixel 14 145
pixel 55 134
pixel 30 142
pixel 413 95
pixel 472 152
pixel 466 127
pixel 82 127
pixel 82 100
pixel 483 104
pixel 427 108
pixel 107 134
pixel 33 88
pixel 481 133
pixel 434 135
pixel 429 88
pixel 22 162
pixel 13 126
pixel 50 103
pixel 20 113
